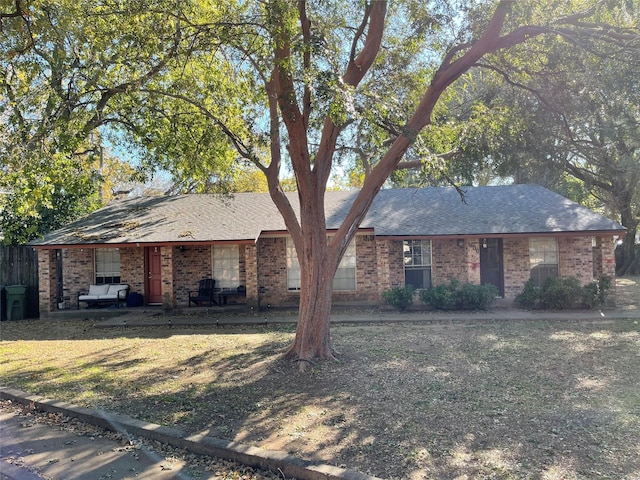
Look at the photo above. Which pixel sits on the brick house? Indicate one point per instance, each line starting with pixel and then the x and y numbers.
pixel 162 246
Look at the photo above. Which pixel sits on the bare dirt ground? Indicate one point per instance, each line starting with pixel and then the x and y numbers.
pixel 442 400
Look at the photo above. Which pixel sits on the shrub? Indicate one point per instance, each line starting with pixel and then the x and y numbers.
pixel 529 298
pixel 563 293
pixel 399 297
pixel 459 296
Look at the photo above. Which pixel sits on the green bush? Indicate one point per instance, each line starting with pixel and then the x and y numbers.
pixel 563 293
pixel 399 297
pixel 459 296
pixel 529 298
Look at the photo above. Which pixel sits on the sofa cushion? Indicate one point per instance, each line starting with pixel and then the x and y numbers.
pixel 98 289
pixel 83 298
pixel 114 289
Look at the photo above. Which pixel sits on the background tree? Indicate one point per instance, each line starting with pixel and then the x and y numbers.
pixel 568 120
pixel 65 71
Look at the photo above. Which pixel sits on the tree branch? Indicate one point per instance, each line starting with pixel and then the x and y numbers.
pixel 305 25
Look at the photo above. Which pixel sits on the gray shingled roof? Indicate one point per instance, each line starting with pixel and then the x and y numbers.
pixel 395 212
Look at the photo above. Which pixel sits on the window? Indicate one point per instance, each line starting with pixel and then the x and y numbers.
pixel 344 279
pixel 293 267
pixel 417 263
pixel 107 265
pixel 226 266
pixel 543 259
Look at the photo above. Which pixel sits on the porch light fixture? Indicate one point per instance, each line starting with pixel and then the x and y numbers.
pixel 461 242
pixel 484 243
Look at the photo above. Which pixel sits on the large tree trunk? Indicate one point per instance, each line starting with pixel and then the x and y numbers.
pixel 313 340
pixel 318 264
pixel 623 197
pixel 628 264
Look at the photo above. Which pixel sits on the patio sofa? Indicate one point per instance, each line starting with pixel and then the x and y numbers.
pixel 107 294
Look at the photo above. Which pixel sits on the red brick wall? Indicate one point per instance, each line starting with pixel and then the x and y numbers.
pixel 47 281
pixel 132 268
pixel 576 258
pixel 191 265
pixel 604 260
pixel 516 267
pixel 272 273
pixel 78 272
pixel 448 260
pixel 379 267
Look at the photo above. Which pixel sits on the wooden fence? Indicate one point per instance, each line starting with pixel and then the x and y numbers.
pixel 19 266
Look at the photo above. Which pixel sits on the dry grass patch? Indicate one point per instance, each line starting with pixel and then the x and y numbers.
pixel 456 400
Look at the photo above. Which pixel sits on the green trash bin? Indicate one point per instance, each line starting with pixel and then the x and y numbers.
pixel 16 295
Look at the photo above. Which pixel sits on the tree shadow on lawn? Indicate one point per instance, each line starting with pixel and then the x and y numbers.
pixel 539 399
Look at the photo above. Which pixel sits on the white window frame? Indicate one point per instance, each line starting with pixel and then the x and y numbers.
pixel 544 258
pixel 418 263
pixel 107 265
pixel 225 261
pixel 343 281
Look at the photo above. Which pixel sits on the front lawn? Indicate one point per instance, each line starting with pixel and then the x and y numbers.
pixel 501 399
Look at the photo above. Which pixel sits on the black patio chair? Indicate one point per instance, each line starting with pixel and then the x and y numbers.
pixel 204 294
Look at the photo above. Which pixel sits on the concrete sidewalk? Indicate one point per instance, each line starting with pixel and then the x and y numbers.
pixel 35 447
pixel 150 318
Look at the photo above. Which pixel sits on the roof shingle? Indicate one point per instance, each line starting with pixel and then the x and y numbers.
pixel 429 211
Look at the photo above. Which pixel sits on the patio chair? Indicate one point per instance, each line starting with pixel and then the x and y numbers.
pixel 204 294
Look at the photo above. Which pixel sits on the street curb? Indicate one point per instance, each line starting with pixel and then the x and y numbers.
pixel 274 461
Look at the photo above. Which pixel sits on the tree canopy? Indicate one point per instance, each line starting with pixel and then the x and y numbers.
pixel 311 85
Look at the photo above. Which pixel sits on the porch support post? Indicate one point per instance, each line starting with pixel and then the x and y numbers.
pixel 471 257
pixel 47 279
pixel 604 259
pixel 168 293
pixel 251 272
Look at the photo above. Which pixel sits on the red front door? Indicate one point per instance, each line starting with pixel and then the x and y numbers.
pixel 153 285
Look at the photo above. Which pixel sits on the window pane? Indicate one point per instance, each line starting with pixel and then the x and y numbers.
pixel 226 266
pixel 344 279
pixel 417 252
pixel 543 259
pixel 293 267
pixel 107 265
pixel 417 262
